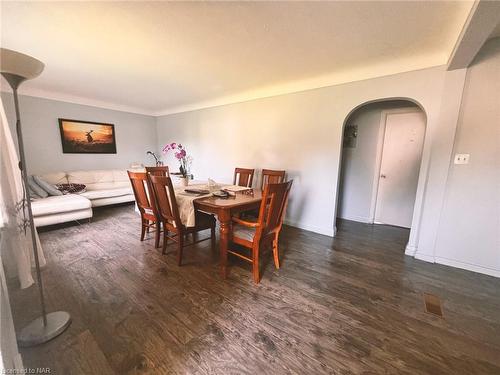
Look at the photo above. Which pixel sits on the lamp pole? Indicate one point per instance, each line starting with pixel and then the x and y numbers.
pixel 14 82
pixel 53 324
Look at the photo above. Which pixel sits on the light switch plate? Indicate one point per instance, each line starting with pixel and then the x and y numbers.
pixel 462 158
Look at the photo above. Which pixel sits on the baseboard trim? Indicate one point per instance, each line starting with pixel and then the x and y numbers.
pixel 360 219
pixel 425 257
pixel 325 231
pixel 468 266
pixel 454 263
pixel 410 250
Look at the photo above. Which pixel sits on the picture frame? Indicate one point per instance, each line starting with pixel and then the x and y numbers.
pixel 87 137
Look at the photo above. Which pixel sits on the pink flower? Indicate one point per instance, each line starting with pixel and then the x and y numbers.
pixel 179 154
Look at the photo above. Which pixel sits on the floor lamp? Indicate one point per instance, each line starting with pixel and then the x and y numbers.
pixel 16 68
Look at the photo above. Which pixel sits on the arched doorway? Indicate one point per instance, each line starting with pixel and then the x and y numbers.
pixel 380 163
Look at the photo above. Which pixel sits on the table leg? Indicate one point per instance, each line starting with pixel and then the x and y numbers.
pixel 225 230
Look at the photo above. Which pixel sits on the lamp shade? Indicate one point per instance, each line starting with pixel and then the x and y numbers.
pixel 19 64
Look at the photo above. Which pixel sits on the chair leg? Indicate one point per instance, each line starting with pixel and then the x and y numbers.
pixel 276 254
pixel 157 234
pixel 180 246
pixel 143 228
pixel 255 265
pixel 165 241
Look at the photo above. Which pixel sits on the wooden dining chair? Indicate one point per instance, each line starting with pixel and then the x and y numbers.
pixel 144 198
pixel 271 177
pixel 243 177
pixel 253 236
pixel 158 171
pixel 171 220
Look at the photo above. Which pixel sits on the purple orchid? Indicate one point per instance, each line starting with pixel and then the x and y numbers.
pixel 181 155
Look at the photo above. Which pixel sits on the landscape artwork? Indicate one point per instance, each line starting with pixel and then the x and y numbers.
pixel 85 137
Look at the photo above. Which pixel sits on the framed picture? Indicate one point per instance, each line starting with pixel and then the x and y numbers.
pixel 85 137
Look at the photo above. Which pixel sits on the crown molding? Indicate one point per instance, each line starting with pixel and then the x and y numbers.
pixel 290 88
pixel 74 99
pixel 261 93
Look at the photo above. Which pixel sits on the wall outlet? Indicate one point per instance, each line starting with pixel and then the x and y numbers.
pixel 462 158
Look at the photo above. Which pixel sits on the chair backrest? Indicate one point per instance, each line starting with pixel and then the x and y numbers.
pixel 272 208
pixel 271 177
pixel 243 177
pixel 143 192
pixel 165 199
pixel 158 171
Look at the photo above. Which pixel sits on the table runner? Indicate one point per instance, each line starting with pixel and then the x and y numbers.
pixel 185 200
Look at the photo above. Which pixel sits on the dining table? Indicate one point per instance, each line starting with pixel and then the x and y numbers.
pixel 225 209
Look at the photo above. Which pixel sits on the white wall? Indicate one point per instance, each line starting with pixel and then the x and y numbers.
pixel 359 163
pixel 302 133
pixel 135 134
pixel 469 230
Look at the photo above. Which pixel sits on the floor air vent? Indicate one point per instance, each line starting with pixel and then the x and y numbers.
pixel 433 304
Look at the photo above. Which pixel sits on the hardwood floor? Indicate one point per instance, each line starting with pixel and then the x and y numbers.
pixel 352 304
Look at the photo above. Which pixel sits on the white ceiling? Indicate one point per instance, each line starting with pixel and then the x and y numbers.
pixel 158 57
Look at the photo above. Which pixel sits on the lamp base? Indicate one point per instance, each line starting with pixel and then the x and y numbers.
pixel 36 333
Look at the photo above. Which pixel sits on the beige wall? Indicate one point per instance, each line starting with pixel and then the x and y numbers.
pixel 302 133
pixel 469 229
pixel 134 135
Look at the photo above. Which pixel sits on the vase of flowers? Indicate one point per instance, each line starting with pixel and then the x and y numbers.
pixel 184 160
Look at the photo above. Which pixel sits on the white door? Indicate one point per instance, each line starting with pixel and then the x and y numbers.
pixel 399 168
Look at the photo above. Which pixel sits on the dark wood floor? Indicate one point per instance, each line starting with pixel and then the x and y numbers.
pixel 352 304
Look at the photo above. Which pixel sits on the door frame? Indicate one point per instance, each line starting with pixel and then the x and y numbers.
pixel 380 149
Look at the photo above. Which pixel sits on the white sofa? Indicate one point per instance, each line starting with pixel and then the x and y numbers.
pixel 104 187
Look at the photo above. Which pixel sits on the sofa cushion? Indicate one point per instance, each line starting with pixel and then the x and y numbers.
pixel 62 217
pixel 36 188
pixel 49 188
pixel 120 176
pixel 112 200
pixel 100 179
pixel 33 194
pixel 58 204
pixel 96 179
pixel 55 178
pixel 107 193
